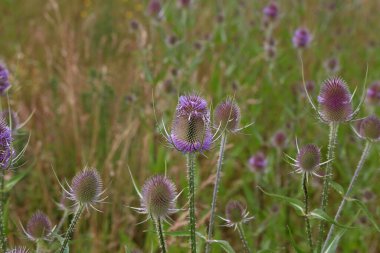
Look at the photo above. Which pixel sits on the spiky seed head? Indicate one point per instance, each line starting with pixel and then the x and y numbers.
pixel 10 118
pixel 369 128
pixel 235 211
pixel 258 162
pixel 335 101
pixel 332 65
pixel 6 150
pixel 227 115
pixel 86 186
pixel 301 38
pixel 191 125
pixel 39 226
pixel 154 7
pixel 308 158
pixel 271 11
pixel 4 79
pixel 373 94
pixel 279 139
pixel 18 250
pixel 158 196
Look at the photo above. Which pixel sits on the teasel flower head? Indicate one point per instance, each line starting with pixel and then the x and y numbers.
pixel 271 11
pixel 302 38
pixel 373 94
pixel 154 8
pixel 191 131
pixel 11 119
pixel 335 101
pixel 158 197
pixel 369 128
pixel 258 162
pixel 38 227
pixel 18 250
pixel 227 115
pixel 279 139
pixel 86 188
pixel 332 65
pixel 236 214
pixel 6 149
pixel 184 3
pixel 4 79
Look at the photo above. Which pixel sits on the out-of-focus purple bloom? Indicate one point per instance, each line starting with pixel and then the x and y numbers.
pixel 184 3
pixel 4 79
pixel 154 7
pixel 373 93
pixel 369 128
pixel 191 130
pixel 279 140
pixel 10 118
pixel 258 162
pixel 227 115
pixel 301 38
pixel 271 11
pixel 6 150
pixel 332 65
pixel 38 227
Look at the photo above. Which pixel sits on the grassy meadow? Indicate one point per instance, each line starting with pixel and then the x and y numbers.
pixel 95 80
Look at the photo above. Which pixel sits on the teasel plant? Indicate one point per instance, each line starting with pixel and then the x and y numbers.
pixel 237 215
pixel 18 250
pixel 158 199
pixel 367 129
pixel 334 108
pixel 86 191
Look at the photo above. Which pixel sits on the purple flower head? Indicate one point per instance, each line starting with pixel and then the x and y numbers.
pixel 18 250
pixel 6 150
pixel 301 38
pixel 4 79
pixel 332 65
pixel 308 158
pixel 369 128
pixel 191 125
pixel 258 162
pixel 154 7
pixel 86 187
pixel 279 140
pixel 373 93
pixel 236 213
pixel 38 227
pixel 335 101
pixel 184 3
pixel 227 115
pixel 271 11
pixel 158 197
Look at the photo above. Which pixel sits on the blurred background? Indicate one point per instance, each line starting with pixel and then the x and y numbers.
pixel 89 72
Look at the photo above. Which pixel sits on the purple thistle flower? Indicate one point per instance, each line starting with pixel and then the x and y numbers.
pixel 271 11
pixel 184 3
pixel 236 213
pixel 373 93
pixel 159 195
pixel 191 126
pixel 6 150
pixel 301 38
pixel 38 227
pixel 86 188
pixel 4 79
pixel 227 115
pixel 258 162
pixel 369 128
pixel 308 158
pixel 154 7
pixel 335 101
pixel 18 250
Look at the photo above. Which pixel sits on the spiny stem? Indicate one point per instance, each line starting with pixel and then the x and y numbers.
pixel 3 237
pixel 160 234
pixel 308 227
pixel 216 188
pixel 327 179
pixel 190 171
pixel 70 231
pixel 349 190
pixel 243 239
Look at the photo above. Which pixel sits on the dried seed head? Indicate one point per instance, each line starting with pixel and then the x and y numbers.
pixel 227 115
pixel 373 94
pixel 308 158
pixel 158 196
pixel 4 79
pixel 6 150
pixel 335 101
pixel 191 125
pixel 18 250
pixel 301 38
pixel 258 162
pixel 271 11
pixel 369 128
pixel 39 226
pixel 86 187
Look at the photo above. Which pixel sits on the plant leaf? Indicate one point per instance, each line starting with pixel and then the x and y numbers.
pixel 223 244
pixel 321 215
pixel 15 179
pixel 337 187
pixel 293 242
pixel 331 248
pixel 367 212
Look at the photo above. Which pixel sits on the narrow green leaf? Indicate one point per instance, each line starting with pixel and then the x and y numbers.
pixel 367 212
pixel 14 180
pixel 337 187
pixel 223 244
pixel 321 215
pixel 293 242
pixel 331 248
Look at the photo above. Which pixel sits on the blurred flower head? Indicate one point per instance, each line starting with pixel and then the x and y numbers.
pixel 227 115
pixel 236 213
pixel 302 38
pixel 6 149
pixel 38 227
pixel 369 128
pixel 279 139
pixel 332 65
pixel 271 11
pixel 373 94
pixel 258 162
pixel 154 8
pixel 4 79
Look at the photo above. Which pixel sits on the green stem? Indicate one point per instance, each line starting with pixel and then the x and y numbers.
pixel 62 221
pixel 190 171
pixel 243 239
pixel 70 231
pixel 39 246
pixel 160 234
pixel 327 179
pixel 308 227
pixel 215 193
pixel 349 190
pixel 3 237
